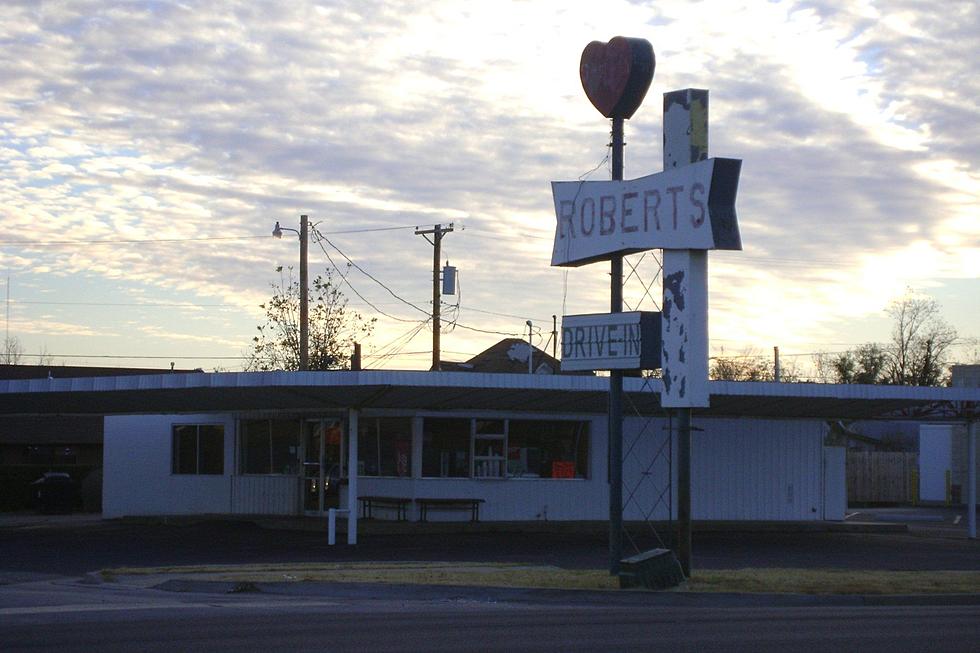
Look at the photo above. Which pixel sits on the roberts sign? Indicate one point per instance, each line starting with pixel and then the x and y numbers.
pixel 692 207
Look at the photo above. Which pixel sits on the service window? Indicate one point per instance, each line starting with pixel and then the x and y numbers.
pixel 198 449
pixel 547 449
pixel 446 447
pixel 270 446
pixel 489 448
pixel 384 446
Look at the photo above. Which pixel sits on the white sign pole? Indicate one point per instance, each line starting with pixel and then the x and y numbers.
pixel 685 306
pixel 685 273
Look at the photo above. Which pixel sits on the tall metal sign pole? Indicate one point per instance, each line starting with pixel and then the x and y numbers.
pixel 616 76
pixel 685 210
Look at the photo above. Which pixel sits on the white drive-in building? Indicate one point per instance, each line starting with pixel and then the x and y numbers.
pixel 498 447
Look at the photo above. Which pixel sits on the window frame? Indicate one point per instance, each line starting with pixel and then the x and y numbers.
pixel 174 449
pixel 493 466
pixel 242 457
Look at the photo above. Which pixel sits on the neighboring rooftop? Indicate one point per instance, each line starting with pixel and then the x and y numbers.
pixel 509 356
pixel 966 376
pixel 75 371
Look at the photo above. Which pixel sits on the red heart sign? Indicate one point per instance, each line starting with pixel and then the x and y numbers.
pixel 616 75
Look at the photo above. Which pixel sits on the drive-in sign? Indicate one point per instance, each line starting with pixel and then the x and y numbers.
pixel 691 207
pixel 611 341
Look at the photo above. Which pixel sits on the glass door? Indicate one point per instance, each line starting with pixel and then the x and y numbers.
pixel 320 482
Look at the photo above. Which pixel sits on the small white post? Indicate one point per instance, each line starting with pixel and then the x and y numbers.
pixel 352 430
pixel 332 526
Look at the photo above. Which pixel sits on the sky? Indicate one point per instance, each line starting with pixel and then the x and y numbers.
pixel 148 148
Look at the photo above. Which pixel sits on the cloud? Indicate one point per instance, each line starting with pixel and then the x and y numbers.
pixel 176 121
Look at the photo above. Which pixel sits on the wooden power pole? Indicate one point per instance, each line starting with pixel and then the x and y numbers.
pixel 437 232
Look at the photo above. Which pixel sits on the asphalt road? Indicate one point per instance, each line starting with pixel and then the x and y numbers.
pixel 44 606
pixel 76 550
pixel 326 626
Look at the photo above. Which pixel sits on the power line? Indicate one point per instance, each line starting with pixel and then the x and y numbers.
pixel 149 304
pixel 344 278
pixel 131 241
pixel 366 273
pixel 121 356
pixel 115 241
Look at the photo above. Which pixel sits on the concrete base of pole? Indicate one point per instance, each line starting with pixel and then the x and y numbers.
pixel 657 569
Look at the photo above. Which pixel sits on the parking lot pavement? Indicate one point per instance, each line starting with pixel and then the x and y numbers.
pixel 75 547
pixel 927 521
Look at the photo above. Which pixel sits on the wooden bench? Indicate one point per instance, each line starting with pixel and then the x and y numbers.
pixel 369 503
pixel 425 505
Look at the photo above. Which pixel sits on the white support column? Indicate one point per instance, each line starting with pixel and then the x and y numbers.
pixel 685 329
pixel 685 272
pixel 971 482
pixel 352 429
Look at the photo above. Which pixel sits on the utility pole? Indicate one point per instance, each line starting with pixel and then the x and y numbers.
pixel 304 293
pixel 554 337
pixel 437 233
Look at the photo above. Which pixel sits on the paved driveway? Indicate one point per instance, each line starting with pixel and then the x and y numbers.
pixel 74 547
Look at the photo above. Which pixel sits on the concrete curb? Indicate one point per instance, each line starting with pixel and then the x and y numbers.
pixel 405 592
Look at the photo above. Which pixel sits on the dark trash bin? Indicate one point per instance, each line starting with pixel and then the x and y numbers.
pixel 55 492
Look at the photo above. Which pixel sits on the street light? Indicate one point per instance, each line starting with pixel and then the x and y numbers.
pixel 304 300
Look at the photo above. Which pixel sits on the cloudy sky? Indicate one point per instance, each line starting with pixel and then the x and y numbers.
pixel 147 148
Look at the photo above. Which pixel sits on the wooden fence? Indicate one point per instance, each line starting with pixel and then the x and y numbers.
pixel 880 476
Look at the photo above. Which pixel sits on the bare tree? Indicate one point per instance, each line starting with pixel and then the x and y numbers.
pixel 45 357
pixel 12 352
pixel 916 355
pixel 750 366
pixel 333 328
pixel 865 364
pixel 921 339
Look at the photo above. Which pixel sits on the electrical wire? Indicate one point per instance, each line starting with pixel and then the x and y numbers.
pixel 131 241
pixel 366 273
pixel 344 278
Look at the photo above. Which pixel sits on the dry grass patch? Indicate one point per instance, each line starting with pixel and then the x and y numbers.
pixel 835 581
pixel 797 581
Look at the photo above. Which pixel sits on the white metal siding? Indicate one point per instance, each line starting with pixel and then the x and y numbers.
pixel 137 479
pixel 741 469
pixel 835 483
pixel 757 469
pixel 265 495
pixel 935 460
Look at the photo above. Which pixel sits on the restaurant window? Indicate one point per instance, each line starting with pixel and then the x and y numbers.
pixel 547 449
pixel 489 448
pixel 446 447
pixel 270 446
pixel 198 449
pixel 384 446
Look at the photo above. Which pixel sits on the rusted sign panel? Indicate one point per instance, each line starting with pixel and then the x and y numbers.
pixel 685 329
pixel 690 207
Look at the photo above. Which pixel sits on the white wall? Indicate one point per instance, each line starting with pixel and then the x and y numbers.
pixel 835 483
pixel 741 469
pixel 935 459
pixel 137 478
